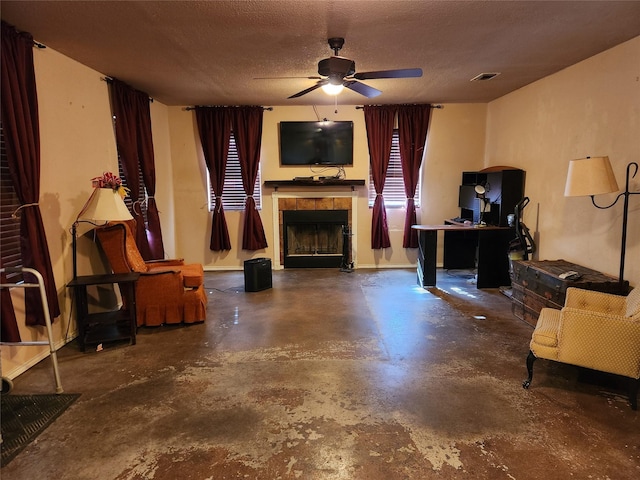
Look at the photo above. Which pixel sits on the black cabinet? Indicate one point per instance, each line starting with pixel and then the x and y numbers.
pixel 504 189
pixel 101 327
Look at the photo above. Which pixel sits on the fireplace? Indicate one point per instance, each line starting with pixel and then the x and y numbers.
pixel 314 238
pixel 309 207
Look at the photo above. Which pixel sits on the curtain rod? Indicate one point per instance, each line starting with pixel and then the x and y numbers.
pixel 193 108
pixel 33 41
pixel 359 107
pixel 110 80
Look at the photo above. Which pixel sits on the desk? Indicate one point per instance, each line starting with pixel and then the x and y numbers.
pixel 106 326
pixel 492 245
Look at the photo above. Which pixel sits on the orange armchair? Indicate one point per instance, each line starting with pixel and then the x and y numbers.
pixel 167 292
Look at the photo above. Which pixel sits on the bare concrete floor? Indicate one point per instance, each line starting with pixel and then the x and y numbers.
pixel 331 375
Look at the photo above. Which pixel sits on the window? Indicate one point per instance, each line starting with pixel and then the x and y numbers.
pixel 394 196
pixel 142 197
pixel 9 226
pixel 233 196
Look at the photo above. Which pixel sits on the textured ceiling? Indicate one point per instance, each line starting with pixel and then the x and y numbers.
pixel 211 52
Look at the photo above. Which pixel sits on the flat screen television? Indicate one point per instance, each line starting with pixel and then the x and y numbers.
pixel 316 143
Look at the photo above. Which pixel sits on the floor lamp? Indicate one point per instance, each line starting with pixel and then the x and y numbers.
pixel 104 205
pixel 594 176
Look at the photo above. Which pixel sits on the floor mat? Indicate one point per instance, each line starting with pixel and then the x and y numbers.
pixel 24 417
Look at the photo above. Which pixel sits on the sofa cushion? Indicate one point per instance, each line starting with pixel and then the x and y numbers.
pixel 192 273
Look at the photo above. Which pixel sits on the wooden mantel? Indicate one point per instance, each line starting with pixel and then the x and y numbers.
pixel 327 182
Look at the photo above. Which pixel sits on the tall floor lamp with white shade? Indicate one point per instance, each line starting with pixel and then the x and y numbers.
pixel 594 176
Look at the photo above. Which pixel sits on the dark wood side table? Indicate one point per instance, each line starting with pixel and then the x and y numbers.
pixel 106 326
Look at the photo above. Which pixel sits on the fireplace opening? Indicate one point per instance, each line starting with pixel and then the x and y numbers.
pixel 314 238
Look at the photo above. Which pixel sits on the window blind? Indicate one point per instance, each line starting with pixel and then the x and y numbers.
pixel 394 196
pixel 233 196
pixel 9 226
pixel 142 197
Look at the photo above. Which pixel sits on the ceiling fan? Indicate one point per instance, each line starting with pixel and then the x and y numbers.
pixel 340 71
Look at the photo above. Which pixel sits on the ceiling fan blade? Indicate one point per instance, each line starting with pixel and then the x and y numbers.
pixel 310 89
pixel 361 88
pixel 401 73
pixel 287 78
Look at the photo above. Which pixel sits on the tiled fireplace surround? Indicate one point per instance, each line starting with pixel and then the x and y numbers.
pixel 311 202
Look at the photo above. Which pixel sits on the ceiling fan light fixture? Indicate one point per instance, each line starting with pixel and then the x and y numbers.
pixel 332 89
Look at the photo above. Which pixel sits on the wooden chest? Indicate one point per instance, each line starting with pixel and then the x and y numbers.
pixel 536 284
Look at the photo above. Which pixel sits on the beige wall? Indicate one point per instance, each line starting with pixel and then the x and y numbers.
pixel 455 143
pixel 589 109
pixel 76 144
pixel 164 175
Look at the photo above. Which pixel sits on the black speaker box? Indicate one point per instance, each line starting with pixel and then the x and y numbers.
pixel 257 274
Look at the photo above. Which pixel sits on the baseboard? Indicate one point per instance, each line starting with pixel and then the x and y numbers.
pixel 20 369
pixel 209 268
pixel 372 266
pixel 388 266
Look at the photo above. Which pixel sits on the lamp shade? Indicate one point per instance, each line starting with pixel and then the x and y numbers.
pixel 590 176
pixel 105 204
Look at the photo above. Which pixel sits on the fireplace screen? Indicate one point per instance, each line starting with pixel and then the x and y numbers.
pixel 314 238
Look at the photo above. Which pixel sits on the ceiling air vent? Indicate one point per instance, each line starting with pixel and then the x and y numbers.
pixel 484 76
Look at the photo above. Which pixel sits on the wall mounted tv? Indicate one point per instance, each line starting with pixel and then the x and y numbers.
pixel 316 143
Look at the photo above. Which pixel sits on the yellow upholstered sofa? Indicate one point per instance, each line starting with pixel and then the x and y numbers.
pixel 594 330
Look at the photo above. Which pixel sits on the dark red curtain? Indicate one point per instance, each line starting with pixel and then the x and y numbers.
pixel 123 105
pixel 22 142
pixel 247 128
pixel 214 126
pixel 135 148
pixel 379 122
pixel 147 161
pixel 9 331
pixel 413 124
